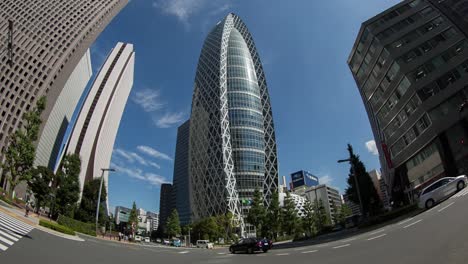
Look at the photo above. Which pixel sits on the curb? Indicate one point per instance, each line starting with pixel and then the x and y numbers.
pixel 58 234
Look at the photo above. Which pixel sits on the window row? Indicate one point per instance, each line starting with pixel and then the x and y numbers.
pixel 411 135
pixel 241 72
pixel 416 34
pixel 240 61
pixel 405 22
pixel 395 13
pixel 422 156
pixel 384 84
pixel 243 85
pixel 402 116
pixel 244 100
pixel 436 62
pixel 393 99
pixel 249 161
pixel 376 72
pixel 428 46
pixel 443 82
pixel 247 138
pixel 246 118
pixel 449 107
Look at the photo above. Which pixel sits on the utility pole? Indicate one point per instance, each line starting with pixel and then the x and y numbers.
pixel 99 197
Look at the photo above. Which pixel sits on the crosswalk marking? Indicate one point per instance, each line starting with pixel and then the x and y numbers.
pixel 11 230
pixel 460 193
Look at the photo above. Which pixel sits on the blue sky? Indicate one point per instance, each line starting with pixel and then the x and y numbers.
pixel 303 45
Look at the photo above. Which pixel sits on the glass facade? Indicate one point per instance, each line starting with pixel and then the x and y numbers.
pixel 232 141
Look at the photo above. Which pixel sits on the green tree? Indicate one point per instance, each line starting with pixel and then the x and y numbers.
pixel 273 219
pixel 257 212
pixel 41 182
pixel 68 191
pixel 173 224
pixel 370 199
pixel 309 220
pixel 87 210
pixel 20 153
pixel 344 212
pixel 321 216
pixel 206 228
pixel 289 216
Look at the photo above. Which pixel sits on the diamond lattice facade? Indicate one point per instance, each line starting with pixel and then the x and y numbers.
pixel 232 138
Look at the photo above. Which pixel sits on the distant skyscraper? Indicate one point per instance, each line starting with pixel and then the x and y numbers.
pixel 50 43
pixel 166 204
pixel 232 138
pixel 97 123
pixel 411 66
pixel 181 180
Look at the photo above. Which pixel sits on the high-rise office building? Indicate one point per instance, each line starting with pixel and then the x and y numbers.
pixel 232 137
pixel 181 180
pixel 50 42
pixel 411 66
pixel 166 204
pixel 98 121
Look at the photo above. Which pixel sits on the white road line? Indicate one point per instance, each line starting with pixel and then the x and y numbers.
pixel 372 238
pixel 14 220
pixel 433 208
pixel 184 252
pixel 404 221
pixel 445 207
pixel 349 239
pixel 15 227
pixel 9 232
pixel 282 254
pixel 6 241
pixel 220 253
pixel 412 223
pixel 8 236
pixel 2 247
pixel 378 231
pixel 310 251
pixel 9 227
pixel 341 246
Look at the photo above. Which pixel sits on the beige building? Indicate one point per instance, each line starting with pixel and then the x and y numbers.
pixel 50 39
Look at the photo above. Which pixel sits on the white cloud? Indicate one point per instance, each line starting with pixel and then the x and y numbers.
pixel 372 147
pixel 154 153
pixel 326 179
pixel 124 154
pixel 138 174
pixel 169 119
pixel 149 100
pixel 138 158
pixel 182 9
pixel 154 165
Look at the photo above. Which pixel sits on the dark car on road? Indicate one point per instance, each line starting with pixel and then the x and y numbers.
pixel 250 245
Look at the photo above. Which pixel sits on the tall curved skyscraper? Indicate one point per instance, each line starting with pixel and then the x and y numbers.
pixel 232 139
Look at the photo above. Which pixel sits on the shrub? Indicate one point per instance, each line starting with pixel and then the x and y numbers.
pixel 389 215
pixel 56 227
pixel 78 226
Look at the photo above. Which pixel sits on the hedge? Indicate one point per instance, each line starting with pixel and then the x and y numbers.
pixel 78 226
pixel 390 215
pixel 56 227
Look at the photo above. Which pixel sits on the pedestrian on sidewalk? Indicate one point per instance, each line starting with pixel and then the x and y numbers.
pixel 27 208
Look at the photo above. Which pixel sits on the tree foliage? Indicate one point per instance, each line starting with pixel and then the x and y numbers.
pixel 321 216
pixel 87 209
pixel 343 212
pixel 20 153
pixel 257 212
pixel 309 220
pixel 289 216
pixel 41 184
pixel 370 200
pixel 68 191
pixel 173 224
pixel 273 216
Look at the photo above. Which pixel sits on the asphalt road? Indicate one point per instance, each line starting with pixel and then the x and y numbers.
pixel 439 235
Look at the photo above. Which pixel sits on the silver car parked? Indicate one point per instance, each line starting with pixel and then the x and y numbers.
pixel 441 189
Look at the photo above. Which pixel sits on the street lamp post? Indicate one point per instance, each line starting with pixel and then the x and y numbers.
pixel 353 172
pixel 99 196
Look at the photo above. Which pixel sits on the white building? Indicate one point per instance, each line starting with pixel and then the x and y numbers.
pixel 97 124
pixel 328 195
pixel 298 200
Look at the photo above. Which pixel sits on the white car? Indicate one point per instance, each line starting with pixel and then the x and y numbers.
pixel 204 244
pixel 441 189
